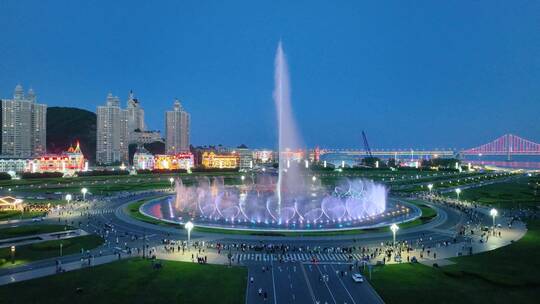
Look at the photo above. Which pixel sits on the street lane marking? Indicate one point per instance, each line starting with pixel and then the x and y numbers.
pixel 273 282
pixel 326 284
pixel 308 284
pixel 342 284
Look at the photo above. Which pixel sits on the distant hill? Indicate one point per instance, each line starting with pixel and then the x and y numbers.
pixel 67 125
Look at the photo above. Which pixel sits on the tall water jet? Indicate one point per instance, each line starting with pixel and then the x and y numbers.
pixel 288 139
pixel 293 200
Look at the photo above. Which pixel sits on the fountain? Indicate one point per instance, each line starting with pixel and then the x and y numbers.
pixel 292 199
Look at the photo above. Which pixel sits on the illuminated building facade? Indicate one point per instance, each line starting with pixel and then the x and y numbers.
pixel 10 203
pixel 68 162
pixel 263 156
pixel 143 160
pixel 173 162
pixel 297 155
pixel 13 164
pixel 221 161
pixel 246 158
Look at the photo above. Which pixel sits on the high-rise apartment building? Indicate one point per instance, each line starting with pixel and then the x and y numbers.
pixel 112 132
pixel 177 129
pixel 135 116
pixel 24 125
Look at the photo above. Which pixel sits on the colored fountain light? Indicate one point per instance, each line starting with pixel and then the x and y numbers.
pixel 291 198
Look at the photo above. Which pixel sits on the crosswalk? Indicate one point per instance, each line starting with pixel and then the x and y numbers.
pixel 296 257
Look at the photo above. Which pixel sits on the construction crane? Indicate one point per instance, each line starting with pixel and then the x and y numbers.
pixel 366 145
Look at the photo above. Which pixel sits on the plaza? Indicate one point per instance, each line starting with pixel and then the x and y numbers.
pixel 269 152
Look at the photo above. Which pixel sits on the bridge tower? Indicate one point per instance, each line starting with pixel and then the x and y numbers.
pixel 509 141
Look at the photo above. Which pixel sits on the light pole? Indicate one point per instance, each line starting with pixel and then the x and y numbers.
pixel 458 191
pixel 394 229
pixel 12 254
pixel 68 198
pixel 83 191
pixel 171 180
pixel 188 226
pixel 430 186
pixel 493 212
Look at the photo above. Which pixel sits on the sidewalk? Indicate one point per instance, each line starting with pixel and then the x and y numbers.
pixel 464 248
pixel 43 237
pixel 51 270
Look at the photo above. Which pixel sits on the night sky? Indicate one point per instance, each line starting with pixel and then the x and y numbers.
pixel 430 74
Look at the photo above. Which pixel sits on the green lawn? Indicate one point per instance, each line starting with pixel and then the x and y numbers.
pixel 12 232
pixel 16 215
pixel 111 184
pixel 39 251
pixel 135 281
pixel 505 275
pixel 133 211
pixel 504 195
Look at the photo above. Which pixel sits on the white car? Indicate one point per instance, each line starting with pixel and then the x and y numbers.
pixel 357 278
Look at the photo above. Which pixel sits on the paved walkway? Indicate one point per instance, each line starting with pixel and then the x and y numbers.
pixel 43 237
pixel 51 270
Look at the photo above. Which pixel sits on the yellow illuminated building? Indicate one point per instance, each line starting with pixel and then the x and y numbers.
pixel 220 161
pixel 173 162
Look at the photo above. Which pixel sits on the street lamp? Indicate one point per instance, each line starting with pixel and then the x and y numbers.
pixel 188 226
pixel 83 191
pixel 394 229
pixel 171 180
pixel 458 191
pixel 430 186
pixel 493 212
pixel 12 254
pixel 68 198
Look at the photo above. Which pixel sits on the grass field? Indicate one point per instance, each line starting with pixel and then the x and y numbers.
pixel 111 184
pixel 428 214
pixel 12 232
pixel 17 215
pixel 135 281
pixel 133 211
pixel 505 275
pixel 39 251
pixel 504 195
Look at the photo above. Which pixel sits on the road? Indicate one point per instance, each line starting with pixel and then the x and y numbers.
pixel 301 282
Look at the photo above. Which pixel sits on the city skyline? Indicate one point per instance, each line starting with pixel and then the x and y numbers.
pixel 269 151
pixel 397 86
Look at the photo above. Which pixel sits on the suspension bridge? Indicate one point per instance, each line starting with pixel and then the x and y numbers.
pixel 507 145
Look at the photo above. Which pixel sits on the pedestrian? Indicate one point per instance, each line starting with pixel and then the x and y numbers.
pixel 251 279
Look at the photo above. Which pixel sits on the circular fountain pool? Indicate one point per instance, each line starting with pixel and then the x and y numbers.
pixel 255 205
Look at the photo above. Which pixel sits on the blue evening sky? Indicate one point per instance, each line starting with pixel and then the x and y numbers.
pixel 423 74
